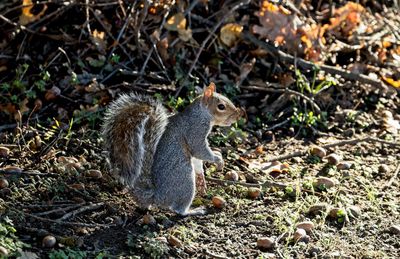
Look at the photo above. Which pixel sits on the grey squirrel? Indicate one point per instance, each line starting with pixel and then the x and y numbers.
pixel 156 155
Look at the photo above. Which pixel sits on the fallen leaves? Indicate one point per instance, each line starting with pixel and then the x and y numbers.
pixel 177 23
pixel 284 28
pixel 27 16
pixel 230 34
pixel 346 19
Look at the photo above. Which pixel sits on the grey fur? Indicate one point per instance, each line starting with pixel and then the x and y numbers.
pixel 141 139
pixel 158 164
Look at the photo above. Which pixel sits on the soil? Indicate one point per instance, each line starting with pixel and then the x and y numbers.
pixel 311 77
pixel 116 227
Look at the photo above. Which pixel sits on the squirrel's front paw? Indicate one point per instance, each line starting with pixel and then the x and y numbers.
pixel 219 160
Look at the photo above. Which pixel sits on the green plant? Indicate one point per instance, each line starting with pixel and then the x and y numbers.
pixel 67 253
pixel 8 239
pixel 314 88
pixel 152 247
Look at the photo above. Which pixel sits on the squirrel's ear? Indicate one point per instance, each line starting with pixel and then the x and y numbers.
pixel 209 91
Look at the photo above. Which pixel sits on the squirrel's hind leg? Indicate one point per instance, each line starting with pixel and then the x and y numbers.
pixel 191 212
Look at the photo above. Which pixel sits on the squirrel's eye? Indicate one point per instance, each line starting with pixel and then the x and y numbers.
pixel 221 107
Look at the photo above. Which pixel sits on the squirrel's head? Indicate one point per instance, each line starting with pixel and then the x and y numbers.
pixel 222 110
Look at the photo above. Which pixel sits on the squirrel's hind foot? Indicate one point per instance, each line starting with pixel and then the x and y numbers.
pixel 200 211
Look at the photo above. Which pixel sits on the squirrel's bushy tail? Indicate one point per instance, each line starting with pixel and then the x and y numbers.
pixel 133 126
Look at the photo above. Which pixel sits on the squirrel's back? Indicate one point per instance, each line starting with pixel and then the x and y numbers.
pixel 133 126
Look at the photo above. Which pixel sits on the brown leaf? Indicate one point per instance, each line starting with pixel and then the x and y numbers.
pixel 284 28
pixel 26 16
pixel 346 19
pixel 230 33
pixel 97 38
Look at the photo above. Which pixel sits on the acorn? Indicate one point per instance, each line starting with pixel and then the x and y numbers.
pixel 395 229
pixel 344 165
pixel 265 242
pixel 95 174
pixel 49 241
pixel 174 241
pixel 149 220
pixel 4 152
pixel 3 251
pixel 318 151
pixel 3 183
pixel 232 176
pixel 325 181
pixel 306 225
pixel 254 192
pixel 333 159
pixel 299 234
pixel 318 208
pixel 218 202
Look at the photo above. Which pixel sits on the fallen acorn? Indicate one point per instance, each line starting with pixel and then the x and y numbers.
pixel 75 165
pixel 265 242
pixel 149 220
pixel 318 208
pixel 3 183
pixel 354 211
pixel 395 229
pixel 338 213
pixel 254 192
pixel 3 251
pixel 324 181
pixel 218 202
pixel 318 151
pixel 174 241
pixel 77 186
pixel 5 192
pixel 95 174
pixel 49 241
pixel 298 234
pixel 38 142
pixel 344 165
pixel 384 169
pixel 306 225
pixel 4 152
pixel 333 159
pixel 231 176
pixel 12 170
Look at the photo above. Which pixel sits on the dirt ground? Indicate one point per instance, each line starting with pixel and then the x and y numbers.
pixel 42 192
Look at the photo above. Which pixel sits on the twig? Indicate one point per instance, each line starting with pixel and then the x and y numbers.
pixel 64 223
pixel 24 28
pixel 286 90
pixel 265 184
pixel 395 174
pixel 28 172
pixel 336 144
pixel 284 57
pixel 204 43
pixel 62 209
pixel 278 125
pixel 212 255
pixel 72 214
pixel 121 32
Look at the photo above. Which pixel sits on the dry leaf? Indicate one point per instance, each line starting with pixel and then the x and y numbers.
pixel 185 35
pixel 98 40
pixel 26 16
pixel 346 19
pixel 230 33
pixel 282 27
pixel 23 106
pixel 392 82
pixel 176 22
